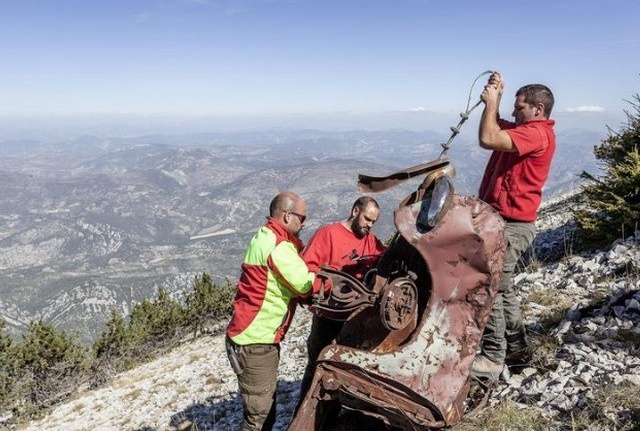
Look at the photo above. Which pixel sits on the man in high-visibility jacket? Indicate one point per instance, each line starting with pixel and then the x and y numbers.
pixel 273 276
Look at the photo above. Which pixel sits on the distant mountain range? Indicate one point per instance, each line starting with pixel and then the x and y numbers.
pixel 91 225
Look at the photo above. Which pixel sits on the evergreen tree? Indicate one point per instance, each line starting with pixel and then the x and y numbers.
pixel 114 338
pixel 51 364
pixel 613 199
pixel 7 368
pixel 156 319
pixel 208 302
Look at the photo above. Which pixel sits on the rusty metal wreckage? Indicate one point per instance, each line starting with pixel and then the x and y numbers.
pixel 414 323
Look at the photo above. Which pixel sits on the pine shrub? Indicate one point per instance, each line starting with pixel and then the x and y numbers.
pixel 156 319
pixel 48 365
pixel 152 327
pixel 114 339
pixel 8 369
pixel 51 365
pixel 112 349
pixel 613 199
pixel 208 302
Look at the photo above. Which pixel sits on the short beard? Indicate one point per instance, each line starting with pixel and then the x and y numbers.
pixel 357 229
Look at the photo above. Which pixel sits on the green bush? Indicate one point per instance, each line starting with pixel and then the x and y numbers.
pixel 50 364
pixel 208 302
pixel 8 368
pixel 613 199
pixel 114 339
pixel 155 319
pixel 155 325
pixel 152 326
pixel 113 349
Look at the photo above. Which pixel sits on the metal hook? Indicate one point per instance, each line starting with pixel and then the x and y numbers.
pixel 463 116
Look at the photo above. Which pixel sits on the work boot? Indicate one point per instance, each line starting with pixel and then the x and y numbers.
pixel 485 368
pixel 517 340
pixel 518 350
pixel 518 358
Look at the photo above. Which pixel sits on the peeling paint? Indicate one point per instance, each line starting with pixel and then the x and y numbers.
pixel 415 376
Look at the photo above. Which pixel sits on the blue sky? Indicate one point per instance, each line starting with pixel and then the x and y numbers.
pixel 295 58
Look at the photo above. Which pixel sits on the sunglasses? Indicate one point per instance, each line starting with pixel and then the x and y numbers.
pixel 301 217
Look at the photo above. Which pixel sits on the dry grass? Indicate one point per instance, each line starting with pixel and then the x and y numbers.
pixel 543 350
pixel 612 407
pixel 600 291
pixel 631 338
pixel 507 416
pixel 214 380
pixel 183 389
pixel 78 407
pixel 131 379
pixel 550 297
pixel 172 367
pixel 548 306
pixel 549 321
pixel 124 423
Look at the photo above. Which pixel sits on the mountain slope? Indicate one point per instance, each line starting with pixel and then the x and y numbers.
pixel 122 217
pixel 598 294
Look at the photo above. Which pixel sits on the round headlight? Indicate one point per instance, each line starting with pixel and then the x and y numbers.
pixel 440 199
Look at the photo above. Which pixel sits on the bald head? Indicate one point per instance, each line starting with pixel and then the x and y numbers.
pixel 284 201
pixel 290 209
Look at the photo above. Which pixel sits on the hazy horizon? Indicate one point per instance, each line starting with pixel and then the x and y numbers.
pixel 53 128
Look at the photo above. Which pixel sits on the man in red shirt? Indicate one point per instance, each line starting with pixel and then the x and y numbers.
pixel 348 246
pixel 512 184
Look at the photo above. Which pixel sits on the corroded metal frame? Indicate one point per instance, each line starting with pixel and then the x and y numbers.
pixel 416 377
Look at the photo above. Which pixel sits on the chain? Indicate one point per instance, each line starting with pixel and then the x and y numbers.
pixel 463 116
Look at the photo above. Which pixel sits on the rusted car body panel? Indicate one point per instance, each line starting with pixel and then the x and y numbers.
pixel 405 359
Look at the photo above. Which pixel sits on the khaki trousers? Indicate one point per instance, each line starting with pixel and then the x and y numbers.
pixel 257 383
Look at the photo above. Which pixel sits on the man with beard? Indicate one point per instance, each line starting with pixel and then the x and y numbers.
pixel 347 246
pixel 273 275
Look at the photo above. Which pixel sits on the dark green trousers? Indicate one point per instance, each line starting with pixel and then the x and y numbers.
pixel 505 332
pixel 323 332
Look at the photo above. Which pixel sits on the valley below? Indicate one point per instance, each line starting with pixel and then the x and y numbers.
pixel 95 225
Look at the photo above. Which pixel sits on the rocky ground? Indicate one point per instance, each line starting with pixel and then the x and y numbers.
pixel 191 388
pixel 596 298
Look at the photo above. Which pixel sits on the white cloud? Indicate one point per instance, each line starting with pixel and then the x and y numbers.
pixel 586 108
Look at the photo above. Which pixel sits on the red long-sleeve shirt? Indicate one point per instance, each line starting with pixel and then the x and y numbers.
pixel 336 246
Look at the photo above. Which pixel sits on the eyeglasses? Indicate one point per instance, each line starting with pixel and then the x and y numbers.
pixel 301 217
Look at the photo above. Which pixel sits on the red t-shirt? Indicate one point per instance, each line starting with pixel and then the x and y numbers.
pixel 336 246
pixel 512 182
